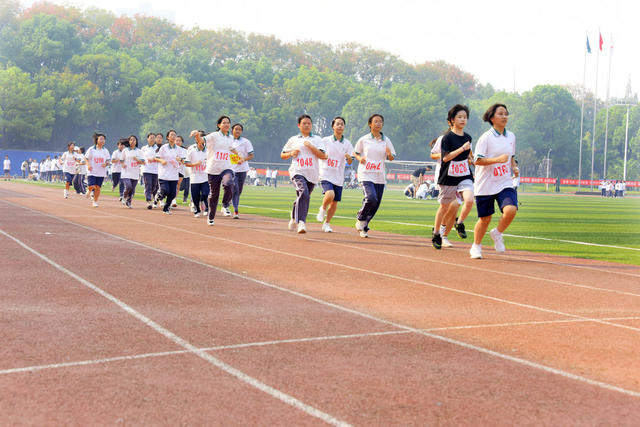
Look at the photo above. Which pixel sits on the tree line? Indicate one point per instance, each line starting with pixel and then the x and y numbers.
pixel 66 72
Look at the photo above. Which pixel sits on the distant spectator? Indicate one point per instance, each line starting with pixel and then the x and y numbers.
pixel 23 168
pixel 267 177
pixel 6 166
pixel 274 178
pixel 417 177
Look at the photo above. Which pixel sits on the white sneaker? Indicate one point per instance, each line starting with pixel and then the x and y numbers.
pixel 292 224
pixel 225 211
pixel 193 208
pixel 167 212
pixel 174 204
pixel 364 234
pixel 94 204
pixel 498 241
pixel 211 222
pixel 321 213
pixel 205 213
pixel 326 228
pixel 476 251
pixel 445 242
pixel 197 214
pixel 236 216
pixel 360 225
pixel 66 194
pixel 302 228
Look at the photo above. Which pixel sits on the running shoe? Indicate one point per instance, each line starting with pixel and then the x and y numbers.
pixel 119 198
pixel 302 228
pixel 129 205
pixel 211 222
pixel 327 228
pixel 321 214
pixel 174 204
pixel 197 214
pixel 225 211
pixel 149 205
pixel 360 225
pixel 364 234
pixel 205 213
pixel 476 251
pixel 446 243
pixel 498 241
pixel 193 208
pixel 94 204
pixel 292 224
pixel 460 230
pixel 436 241
pixel 443 229
pixel 167 212
pixel 66 194
pixel 236 216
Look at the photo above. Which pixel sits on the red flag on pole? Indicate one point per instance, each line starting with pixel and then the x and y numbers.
pixel 601 42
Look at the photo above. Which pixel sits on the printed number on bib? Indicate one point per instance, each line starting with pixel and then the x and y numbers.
pixel 222 155
pixel 305 162
pixel 502 170
pixel 373 166
pixel 333 163
pixel 459 168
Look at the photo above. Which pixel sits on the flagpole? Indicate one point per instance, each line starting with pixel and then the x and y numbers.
pixel 606 123
pixel 584 79
pixel 595 111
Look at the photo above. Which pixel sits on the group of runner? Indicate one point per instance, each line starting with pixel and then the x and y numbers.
pixel 219 161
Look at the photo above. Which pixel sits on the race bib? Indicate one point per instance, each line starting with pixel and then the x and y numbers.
pixel 199 168
pixel 222 155
pixel 304 162
pixel 460 168
pixel 333 163
pixel 373 166
pixel 501 170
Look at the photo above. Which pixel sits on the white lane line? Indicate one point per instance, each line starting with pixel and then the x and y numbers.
pixel 452 264
pixel 372 272
pixel 288 341
pixel 458 343
pixel 412 224
pixel 290 400
pixel 178 352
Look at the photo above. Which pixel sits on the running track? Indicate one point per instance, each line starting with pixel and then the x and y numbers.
pixel 128 316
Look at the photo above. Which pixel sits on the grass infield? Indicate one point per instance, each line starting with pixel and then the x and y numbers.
pixel 578 226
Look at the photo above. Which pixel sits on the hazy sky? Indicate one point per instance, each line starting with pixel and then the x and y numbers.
pixel 509 43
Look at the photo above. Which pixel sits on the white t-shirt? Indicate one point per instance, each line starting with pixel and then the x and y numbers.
pixel 149 152
pixel 130 165
pixel 437 149
pixel 198 173
pixel 55 166
pixel 374 151
pixel 244 149
pixel 332 169
pixel 97 159
pixel 116 158
pixel 274 174
pixel 422 191
pixel 219 146
pixel 494 178
pixel 306 163
pixel 46 166
pixel 34 166
pixel 183 155
pixel 169 172
pixel 68 161
pixel 6 164
pixel 81 169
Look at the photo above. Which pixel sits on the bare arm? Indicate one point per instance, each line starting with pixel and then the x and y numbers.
pixel 486 161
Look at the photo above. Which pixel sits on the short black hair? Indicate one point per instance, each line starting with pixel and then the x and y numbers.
pixel 304 116
pixel 455 110
pixel 491 111
pixel 338 118
pixel 374 116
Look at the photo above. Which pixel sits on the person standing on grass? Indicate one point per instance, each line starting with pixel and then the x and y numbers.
pixel 455 175
pixel 219 145
pixel 274 178
pixel 339 152
pixel 150 170
pixel 116 167
pixel 197 163
pixel 371 151
pixel 23 168
pixel 240 168
pixel 68 161
pixel 6 166
pixel 132 157
pixel 169 158
pixel 304 150
pixel 495 165
pixel 97 162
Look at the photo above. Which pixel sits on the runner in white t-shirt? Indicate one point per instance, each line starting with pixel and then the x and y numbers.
pixel 6 166
pixel 240 166
pixel 169 158
pixel 132 157
pixel 495 166
pixel 371 151
pixel 116 167
pixel 98 159
pixel 219 145
pixel 340 152
pixel 304 150
pixel 197 163
pixel 184 183
pixel 68 162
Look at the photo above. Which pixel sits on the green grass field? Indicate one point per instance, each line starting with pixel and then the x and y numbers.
pixel 584 227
